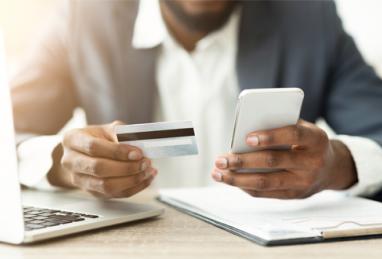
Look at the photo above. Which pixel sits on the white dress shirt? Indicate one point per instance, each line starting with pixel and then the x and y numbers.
pixel 202 86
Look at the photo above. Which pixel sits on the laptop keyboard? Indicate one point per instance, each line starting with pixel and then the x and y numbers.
pixel 38 218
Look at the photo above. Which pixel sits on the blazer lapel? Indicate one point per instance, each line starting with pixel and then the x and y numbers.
pixel 258 48
pixel 137 85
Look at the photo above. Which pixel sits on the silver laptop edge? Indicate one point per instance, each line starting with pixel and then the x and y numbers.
pixel 11 197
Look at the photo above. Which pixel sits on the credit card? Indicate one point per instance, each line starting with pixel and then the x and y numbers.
pixel 160 139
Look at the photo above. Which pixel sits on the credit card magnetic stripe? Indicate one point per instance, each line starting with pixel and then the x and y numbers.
pixel 157 134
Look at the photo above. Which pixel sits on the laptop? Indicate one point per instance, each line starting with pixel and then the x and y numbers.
pixel 30 216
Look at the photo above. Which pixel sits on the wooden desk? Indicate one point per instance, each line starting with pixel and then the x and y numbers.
pixel 176 235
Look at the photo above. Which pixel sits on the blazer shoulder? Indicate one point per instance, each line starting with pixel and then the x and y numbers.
pixel 304 12
pixel 101 5
pixel 96 12
pixel 307 21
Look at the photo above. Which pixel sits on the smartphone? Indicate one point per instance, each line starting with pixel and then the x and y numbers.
pixel 264 109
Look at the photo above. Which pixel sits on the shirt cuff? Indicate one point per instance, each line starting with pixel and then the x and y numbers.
pixel 35 161
pixel 367 156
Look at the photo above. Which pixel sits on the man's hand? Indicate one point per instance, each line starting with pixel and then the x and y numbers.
pixel 313 163
pixel 94 161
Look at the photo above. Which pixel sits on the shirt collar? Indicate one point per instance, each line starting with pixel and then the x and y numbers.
pixel 150 30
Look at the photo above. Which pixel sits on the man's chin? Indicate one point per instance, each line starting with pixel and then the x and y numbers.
pixel 201 16
pixel 197 7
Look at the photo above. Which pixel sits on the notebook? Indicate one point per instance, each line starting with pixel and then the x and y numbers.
pixel 328 215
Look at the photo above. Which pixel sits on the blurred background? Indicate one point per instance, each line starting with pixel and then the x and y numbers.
pixel 21 19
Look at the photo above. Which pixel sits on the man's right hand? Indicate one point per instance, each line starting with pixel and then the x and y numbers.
pixel 94 161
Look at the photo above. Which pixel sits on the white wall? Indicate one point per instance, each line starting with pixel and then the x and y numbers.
pixel 363 20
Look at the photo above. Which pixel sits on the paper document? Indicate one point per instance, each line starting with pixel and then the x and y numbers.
pixel 323 216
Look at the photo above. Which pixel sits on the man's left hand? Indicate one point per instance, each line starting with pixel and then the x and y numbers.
pixel 312 163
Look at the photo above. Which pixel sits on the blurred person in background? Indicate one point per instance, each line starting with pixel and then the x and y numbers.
pixel 168 60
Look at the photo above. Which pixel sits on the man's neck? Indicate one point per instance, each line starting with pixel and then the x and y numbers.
pixel 184 36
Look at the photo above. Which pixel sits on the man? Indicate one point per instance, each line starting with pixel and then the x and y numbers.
pixel 176 60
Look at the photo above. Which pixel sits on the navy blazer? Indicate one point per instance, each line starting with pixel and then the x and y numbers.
pixel 85 59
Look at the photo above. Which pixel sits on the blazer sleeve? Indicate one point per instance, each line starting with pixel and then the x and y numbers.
pixel 354 103
pixel 43 91
pixel 354 91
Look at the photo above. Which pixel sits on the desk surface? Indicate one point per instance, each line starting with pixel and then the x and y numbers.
pixel 176 235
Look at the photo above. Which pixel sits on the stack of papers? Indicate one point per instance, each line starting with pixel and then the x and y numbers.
pixel 326 215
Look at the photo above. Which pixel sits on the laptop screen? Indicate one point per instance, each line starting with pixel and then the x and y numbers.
pixel 11 217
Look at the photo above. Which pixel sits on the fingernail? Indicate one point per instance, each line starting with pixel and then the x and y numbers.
pixel 143 166
pixel 134 155
pixel 253 140
pixel 221 162
pixel 154 172
pixel 217 176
